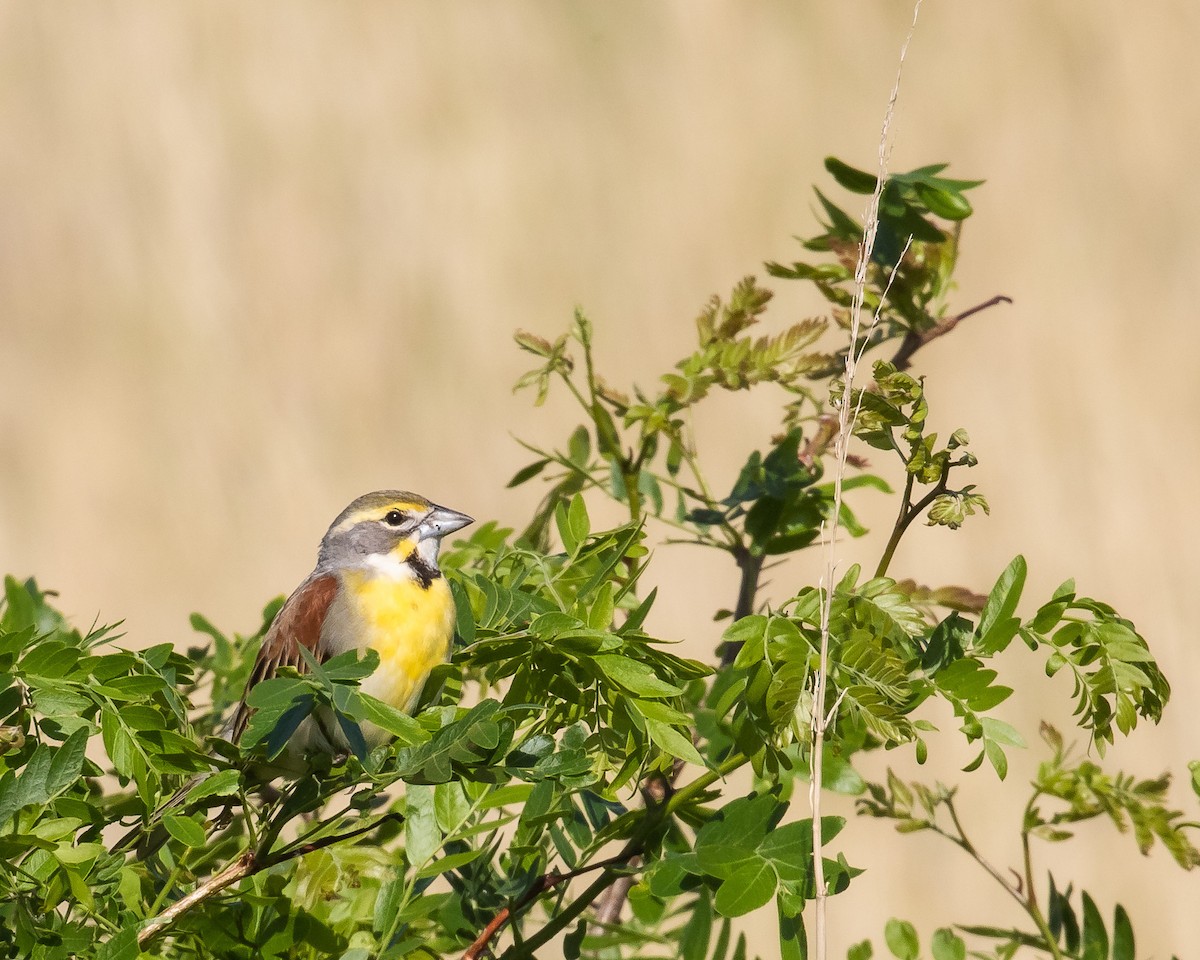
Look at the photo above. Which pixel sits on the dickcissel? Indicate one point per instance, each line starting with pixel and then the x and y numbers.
pixel 377 587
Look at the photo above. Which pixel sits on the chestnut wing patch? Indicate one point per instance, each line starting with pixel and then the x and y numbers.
pixel 298 624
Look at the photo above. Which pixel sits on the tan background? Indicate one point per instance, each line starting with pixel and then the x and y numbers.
pixel 256 259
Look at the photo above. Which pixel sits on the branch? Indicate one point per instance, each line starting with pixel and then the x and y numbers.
pixel 1028 902
pixel 670 801
pixel 550 930
pixel 965 844
pixel 546 882
pixel 248 863
pixel 751 565
pixel 244 866
pixel 914 341
pixel 909 513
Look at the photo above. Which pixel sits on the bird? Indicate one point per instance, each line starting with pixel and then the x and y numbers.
pixel 376 586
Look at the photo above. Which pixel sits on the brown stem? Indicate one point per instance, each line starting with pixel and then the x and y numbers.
pixel 547 881
pixel 248 863
pixel 237 870
pixel 609 911
pixel 914 341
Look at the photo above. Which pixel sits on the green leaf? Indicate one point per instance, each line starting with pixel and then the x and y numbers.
pixel 608 441
pixel 750 885
pixel 901 939
pixel 579 447
pixel 853 179
pixel 422 838
pixel 573 525
pixel 947 945
pixel 793 944
pixel 1122 936
pixel 118 743
pixel 1095 937
pixel 947 204
pixel 184 829
pixel 573 941
pixel 276 728
pixel 651 492
pixel 66 764
pixel 121 946
pixel 464 616
pixel 997 625
pixel 673 742
pixel 693 941
pixel 451 806
pixel 444 864
pixel 400 725
pixel 528 472
pixel 222 784
pixel 202 625
pixel 1001 732
pixel 634 676
pixel 861 951
pixel 637 616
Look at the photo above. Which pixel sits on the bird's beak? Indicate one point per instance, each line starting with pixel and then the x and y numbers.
pixel 442 521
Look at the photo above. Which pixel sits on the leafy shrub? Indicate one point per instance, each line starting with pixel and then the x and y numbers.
pixel 564 779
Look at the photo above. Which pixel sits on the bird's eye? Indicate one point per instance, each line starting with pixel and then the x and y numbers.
pixel 394 518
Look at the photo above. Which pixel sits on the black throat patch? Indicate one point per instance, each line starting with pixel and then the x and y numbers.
pixel 424 572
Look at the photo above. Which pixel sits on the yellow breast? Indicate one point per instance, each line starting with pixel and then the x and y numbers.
pixel 408 625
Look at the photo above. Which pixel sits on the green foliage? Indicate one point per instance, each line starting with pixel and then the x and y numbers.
pixel 1080 791
pixel 913 259
pixel 562 786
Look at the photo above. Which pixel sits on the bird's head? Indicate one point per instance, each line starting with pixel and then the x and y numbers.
pixel 389 528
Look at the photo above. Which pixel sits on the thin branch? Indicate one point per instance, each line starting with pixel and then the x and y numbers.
pixel 1028 902
pixel 965 844
pixel 246 864
pixel 750 564
pixel 914 341
pixel 656 790
pixel 609 911
pixel 820 718
pixel 576 907
pixel 303 849
pixel 1026 853
pixel 546 882
pixel 671 801
pixel 237 870
pixel 908 513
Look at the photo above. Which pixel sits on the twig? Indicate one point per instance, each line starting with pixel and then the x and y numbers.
pixel 547 881
pixel 246 864
pixel 609 911
pixel 237 870
pixel 820 719
pixel 655 791
pixel 581 903
pixel 908 513
pixel 914 341
pixel 672 800
pixel 962 841
pixel 1028 901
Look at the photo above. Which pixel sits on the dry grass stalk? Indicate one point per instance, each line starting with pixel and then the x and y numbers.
pixel 846 417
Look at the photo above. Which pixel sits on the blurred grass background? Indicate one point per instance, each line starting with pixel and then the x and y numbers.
pixel 256 259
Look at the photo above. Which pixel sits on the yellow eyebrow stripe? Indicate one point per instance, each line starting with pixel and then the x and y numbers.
pixel 405 505
pixel 378 513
